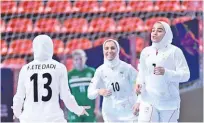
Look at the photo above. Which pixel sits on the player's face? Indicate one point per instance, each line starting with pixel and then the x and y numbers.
pixel 110 50
pixel 79 62
pixel 157 33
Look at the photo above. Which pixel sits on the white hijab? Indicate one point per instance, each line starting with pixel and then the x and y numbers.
pixel 116 61
pixel 42 48
pixel 167 39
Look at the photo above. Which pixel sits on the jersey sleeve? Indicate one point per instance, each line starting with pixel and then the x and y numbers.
pixel 182 73
pixel 19 97
pixel 142 68
pixel 94 85
pixel 66 95
pixel 132 74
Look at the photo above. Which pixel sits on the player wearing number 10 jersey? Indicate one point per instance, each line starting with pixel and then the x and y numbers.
pixel 114 80
pixel 41 83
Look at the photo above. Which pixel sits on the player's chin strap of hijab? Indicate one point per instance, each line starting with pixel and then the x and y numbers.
pixel 116 61
pixel 167 39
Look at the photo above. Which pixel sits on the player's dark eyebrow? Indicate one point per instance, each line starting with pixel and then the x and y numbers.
pixel 161 28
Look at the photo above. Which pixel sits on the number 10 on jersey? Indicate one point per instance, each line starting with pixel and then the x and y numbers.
pixel 116 86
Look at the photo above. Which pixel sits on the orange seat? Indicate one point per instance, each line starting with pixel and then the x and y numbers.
pixel 100 41
pixel 47 25
pixel 4 47
pixel 135 6
pixel 58 47
pixel 196 5
pixel 8 7
pixel 168 5
pixel 14 63
pixel 20 25
pixel 69 64
pixel 131 24
pixel 113 6
pixel 86 6
pixel 150 22
pixel 30 6
pixel 181 19
pixel 70 45
pixel 102 25
pixel 81 43
pixel 58 7
pixel 3 26
pixel 20 47
pixel 84 44
pixel 78 25
pixel 140 44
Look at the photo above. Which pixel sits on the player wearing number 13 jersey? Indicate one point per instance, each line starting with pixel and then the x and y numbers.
pixel 114 80
pixel 41 83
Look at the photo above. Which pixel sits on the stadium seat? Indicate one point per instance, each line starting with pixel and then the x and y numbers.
pixel 8 7
pixel 135 6
pixel 70 45
pixel 130 24
pixel 78 25
pixel 113 6
pixel 47 25
pixel 20 47
pixel 15 63
pixel 58 7
pixel 20 25
pixel 84 44
pixel 3 26
pixel 192 5
pixel 100 41
pixel 102 25
pixel 86 6
pixel 4 47
pixel 69 64
pixel 150 22
pixel 168 5
pixel 140 44
pixel 81 43
pixel 31 6
pixel 181 19
pixel 58 47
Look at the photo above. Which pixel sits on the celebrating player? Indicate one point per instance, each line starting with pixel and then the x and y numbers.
pixel 40 84
pixel 114 80
pixel 162 67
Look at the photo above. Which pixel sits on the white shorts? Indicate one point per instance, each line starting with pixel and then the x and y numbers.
pixel 148 113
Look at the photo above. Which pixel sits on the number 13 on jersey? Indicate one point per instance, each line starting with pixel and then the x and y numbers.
pixel 34 78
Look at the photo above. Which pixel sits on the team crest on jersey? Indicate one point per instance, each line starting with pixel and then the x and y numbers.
pixel 121 73
pixel 89 75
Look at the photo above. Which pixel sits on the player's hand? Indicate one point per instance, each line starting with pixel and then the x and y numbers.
pixel 159 70
pixel 136 108
pixel 84 111
pixel 138 88
pixel 104 92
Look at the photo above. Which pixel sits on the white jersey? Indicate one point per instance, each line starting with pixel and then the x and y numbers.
pixel 162 91
pixel 41 84
pixel 120 80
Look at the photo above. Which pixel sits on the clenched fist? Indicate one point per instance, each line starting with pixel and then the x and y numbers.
pixel 104 92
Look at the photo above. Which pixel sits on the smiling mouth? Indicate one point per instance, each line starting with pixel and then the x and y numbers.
pixel 154 37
